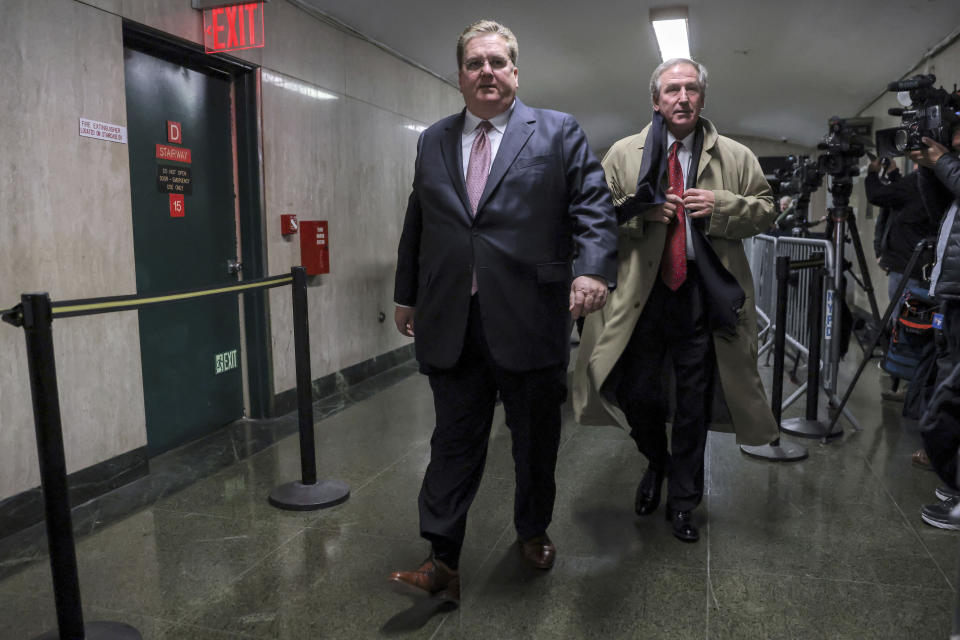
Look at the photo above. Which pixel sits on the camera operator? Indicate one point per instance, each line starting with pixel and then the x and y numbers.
pixel 939 184
pixel 902 223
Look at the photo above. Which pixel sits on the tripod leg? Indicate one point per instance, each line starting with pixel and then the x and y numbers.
pixel 914 258
pixel 864 272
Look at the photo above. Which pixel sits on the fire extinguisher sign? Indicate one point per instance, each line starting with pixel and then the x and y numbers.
pixel 176 205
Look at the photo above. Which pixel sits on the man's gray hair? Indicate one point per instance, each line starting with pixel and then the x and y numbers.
pixel 666 64
pixel 484 27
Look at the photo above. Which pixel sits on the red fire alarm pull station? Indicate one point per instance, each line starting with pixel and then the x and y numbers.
pixel 288 224
pixel 314 247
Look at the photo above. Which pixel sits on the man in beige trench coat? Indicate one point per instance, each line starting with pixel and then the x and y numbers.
pixel 686 198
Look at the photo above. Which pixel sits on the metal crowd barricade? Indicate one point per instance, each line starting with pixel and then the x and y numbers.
pixel 763 251
pixel 762 254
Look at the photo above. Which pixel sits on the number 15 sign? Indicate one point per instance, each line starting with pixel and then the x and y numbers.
pixel 176 205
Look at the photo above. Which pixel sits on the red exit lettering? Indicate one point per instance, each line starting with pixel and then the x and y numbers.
pixel 232 28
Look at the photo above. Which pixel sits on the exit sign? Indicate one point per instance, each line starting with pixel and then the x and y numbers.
pixel 232 28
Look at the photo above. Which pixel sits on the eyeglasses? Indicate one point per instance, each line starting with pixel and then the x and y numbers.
pixel 476 64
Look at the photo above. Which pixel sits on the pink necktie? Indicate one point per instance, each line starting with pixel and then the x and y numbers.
pixel 673 264
pixel 477 171
pixel 479 166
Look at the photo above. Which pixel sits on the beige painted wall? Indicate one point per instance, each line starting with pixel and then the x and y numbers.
pixel 66 225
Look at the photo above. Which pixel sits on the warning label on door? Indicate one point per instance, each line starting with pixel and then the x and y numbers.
pixel 174 179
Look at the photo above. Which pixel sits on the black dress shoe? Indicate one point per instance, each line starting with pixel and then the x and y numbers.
pixel 682 524
pixel 539 552
pixel 648 493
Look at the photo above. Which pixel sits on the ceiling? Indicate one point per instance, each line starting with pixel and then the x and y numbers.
pixel 778 69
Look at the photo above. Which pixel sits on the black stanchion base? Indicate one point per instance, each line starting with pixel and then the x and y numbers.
pixel 783 452
pixel 296 496
pixel 809 428
pixel 100 631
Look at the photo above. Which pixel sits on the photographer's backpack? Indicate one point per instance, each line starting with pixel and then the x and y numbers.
pixel 912 332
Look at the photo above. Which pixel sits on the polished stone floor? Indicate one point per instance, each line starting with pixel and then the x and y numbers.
pixel 831 547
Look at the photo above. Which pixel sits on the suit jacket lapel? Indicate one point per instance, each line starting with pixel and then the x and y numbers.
pixel 453 159
pixel 519 129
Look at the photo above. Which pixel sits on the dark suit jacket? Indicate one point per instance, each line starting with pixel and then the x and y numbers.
pixel 544 217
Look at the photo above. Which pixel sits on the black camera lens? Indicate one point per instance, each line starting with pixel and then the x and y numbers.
pixel 901 140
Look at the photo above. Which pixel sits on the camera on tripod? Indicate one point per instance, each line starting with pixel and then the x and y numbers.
pixel 844 146
pixel 799 175
pixel 932 113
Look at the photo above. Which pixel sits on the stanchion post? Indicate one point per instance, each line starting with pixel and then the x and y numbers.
pixel 308 494
pixel 809 426
pixel 38 330
pixel 37 327
pixel 301 347
pixel 778 450
pixel 780 337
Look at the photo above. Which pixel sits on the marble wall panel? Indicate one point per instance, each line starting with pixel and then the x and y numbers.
pixel 303 47
pixel 113 6
pixel 390 83
pixel 65 228
pixel 175 17
pixel 350 163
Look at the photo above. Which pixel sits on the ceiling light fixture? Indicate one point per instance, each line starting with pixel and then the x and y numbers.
pixel 670 27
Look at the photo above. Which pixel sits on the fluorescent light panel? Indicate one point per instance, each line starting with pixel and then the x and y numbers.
pixel 670 27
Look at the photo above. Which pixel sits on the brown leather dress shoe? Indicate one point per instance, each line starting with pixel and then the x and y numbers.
pixel 432 577
pixel 539 551
pixel 920 459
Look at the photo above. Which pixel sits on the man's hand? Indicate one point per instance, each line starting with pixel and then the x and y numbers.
pixel 587 294
pixel 875 165
pixel 698 203
pixel 928 156
pixel 403 316
pixel 666 212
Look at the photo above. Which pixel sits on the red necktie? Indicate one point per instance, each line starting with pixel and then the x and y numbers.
pixel 673 264
pixel 477 170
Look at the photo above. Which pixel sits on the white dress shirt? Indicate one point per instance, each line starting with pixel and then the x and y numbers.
pixel 494 136
pixel 684 156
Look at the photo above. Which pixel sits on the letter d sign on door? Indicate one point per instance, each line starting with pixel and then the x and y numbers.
pixel 174 134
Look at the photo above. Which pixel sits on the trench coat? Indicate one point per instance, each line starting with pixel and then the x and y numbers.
pixel 743 208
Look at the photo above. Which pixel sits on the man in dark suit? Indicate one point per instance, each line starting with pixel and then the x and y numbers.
pixel 508 207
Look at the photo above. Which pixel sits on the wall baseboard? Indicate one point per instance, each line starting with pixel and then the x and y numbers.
pixel 286 401
pixel 25 509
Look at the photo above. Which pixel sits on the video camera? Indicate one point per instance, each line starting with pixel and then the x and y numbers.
pixel 799 175
pixel 932 113
pixel 844 146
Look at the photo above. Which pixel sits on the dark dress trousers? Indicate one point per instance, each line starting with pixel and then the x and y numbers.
pixel 545 217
